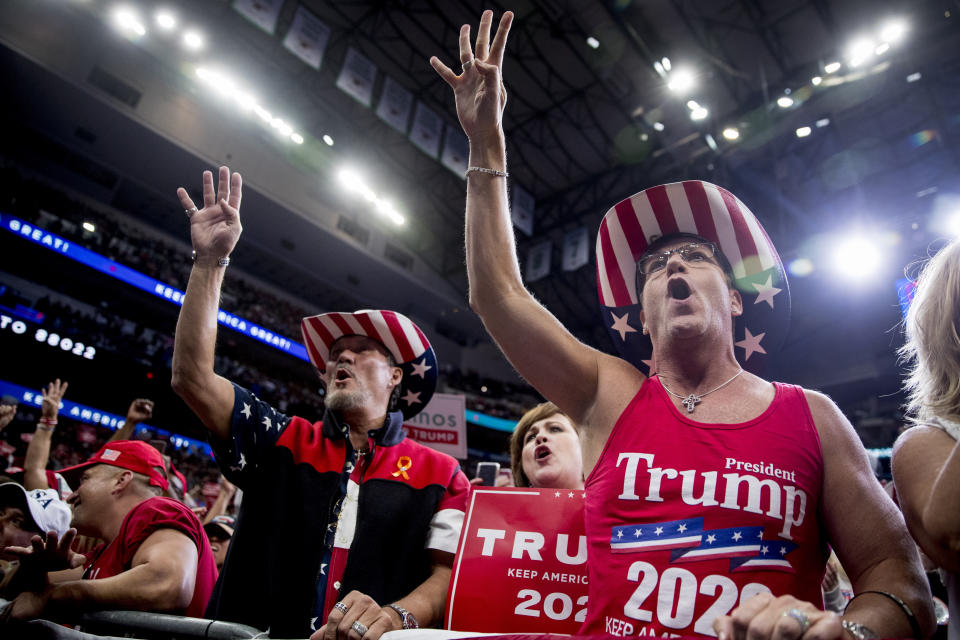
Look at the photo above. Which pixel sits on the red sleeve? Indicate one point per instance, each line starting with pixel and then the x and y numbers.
pixel 158 513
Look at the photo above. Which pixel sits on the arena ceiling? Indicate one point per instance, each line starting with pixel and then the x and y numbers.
pixel 587 126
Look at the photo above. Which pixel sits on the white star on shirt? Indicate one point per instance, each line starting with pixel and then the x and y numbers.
pixel 411 398
pixel 658 530
pixel 637 533
pixel 766 291
pixel 681 528
pixel 620 325
pixel 751 343
pixel 737 535
pixel 764 549
pixel 243 461
pixel 783 551
pixel 323 569
pixel 313 623
pixel 421 368
pixel 570 495
pixel 619 534
pixel 711 539
pixel 556 495
pixel 267 423
pixel 246 410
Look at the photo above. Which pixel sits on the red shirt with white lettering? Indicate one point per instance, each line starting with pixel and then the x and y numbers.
pixel 143 520
pixel 687 520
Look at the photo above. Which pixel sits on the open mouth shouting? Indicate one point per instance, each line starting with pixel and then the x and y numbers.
pixel 342 375
pixel 678 289
pixel 541 453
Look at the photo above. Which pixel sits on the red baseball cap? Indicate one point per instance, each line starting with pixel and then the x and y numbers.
pixel 135 455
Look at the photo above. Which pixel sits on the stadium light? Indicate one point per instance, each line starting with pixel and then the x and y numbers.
pixel 710 142
pixel 355 183
pixel 832 67
pixel 700 113
pixel 665 61
pixel 328 140
pixel 800 267
pixel 128 22
pixel 882 48
pixel 823 122
pixel 860 50
pixel 593 43
pixel 892 32
pixel 681 81
pixel 193 40
pixel 803 132
pixel 658 126
pixel 297 138
pixel 785 102
pixel 89 226
pixel 165 20
pixel 731 133
pixel 856 258
pixel 816 80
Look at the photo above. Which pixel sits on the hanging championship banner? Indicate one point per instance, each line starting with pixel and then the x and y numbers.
pixel 441 425
pixel 456 150
pixel 576 249
pixel 357 76
pixel 395 105
pixel 263 13
pixel 521 566
pixel 427 127
pixel 521 210
pixel 538 261
pixel 307 37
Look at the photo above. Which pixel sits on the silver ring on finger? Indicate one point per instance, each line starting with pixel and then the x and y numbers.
pixel 799 616
pixel 360 628
pixel 342 608
pixel 466 65
pixel 190 211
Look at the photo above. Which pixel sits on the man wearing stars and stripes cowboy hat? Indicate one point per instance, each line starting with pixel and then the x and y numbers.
pixel 712 493
pixel 347 528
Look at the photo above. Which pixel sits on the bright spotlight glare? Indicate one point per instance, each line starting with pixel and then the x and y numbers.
pixel 350 180
pixel 893 31
pixel 193 40
pixel 816 80
pixel 831 67
pixel 693 105
pixel 128 21
pixel 953 224
pixel 659 68
pixel 699 113
pixel 203 73
pixel 800 267
pixel 803 132
pixel 860 50
pixel 592 42
pixel 731 133
pixel 823 122
pixel 913 77
pixel 658 126
pixel 856 258
pixel 882 48
pixel 328 140
pixel 297 138
pixel 165 20
pixel 680 81
pixel 785 102
pixel 246 101
pixel 665 61
pixel 264 115
pixel 89 226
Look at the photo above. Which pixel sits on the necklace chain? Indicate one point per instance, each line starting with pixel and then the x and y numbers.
pixel 691 401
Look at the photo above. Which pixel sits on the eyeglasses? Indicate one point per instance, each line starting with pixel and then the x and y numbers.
pixel 693 253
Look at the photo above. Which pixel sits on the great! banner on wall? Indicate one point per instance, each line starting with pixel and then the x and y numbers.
pixel 357 76
pixel 441 425
pixel 307 38
pixel 263 13
pixel 521 565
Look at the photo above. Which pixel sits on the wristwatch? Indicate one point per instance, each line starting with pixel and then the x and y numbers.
pixel 857 630
pixel 409 622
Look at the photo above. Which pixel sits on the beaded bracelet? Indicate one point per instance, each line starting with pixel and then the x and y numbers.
pixel 907 611
pixel 493 172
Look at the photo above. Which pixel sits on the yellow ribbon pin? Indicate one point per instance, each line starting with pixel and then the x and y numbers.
pixel 403 464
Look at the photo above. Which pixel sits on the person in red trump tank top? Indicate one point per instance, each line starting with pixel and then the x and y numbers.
pixel 711 493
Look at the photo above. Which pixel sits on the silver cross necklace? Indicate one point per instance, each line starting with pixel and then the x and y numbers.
pixel 691 401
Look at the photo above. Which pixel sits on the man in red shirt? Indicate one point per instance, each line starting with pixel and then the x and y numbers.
pixel 155 555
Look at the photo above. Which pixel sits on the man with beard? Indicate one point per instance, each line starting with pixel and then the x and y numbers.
pixel 347 527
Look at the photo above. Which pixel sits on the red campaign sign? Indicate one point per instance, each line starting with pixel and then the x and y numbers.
pixel 432 435
pixel 521 565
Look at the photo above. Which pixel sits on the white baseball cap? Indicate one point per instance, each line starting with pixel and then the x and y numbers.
pixel 46 509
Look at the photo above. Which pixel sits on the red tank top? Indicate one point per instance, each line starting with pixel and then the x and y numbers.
pixel 687 520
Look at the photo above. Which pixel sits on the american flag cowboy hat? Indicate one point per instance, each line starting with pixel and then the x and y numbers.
pixel 402 338
pixel 709 211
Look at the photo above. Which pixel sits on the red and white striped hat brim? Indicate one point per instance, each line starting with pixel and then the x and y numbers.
pixel 401 337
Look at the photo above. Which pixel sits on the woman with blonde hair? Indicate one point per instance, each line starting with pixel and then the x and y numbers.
pixel 926 457
pixel 545 450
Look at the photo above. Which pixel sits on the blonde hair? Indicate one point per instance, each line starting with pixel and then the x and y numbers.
pixel 932 350
pixel 538 413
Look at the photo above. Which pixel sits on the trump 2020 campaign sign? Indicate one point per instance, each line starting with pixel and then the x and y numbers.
pixel 441 425
pixel 522 563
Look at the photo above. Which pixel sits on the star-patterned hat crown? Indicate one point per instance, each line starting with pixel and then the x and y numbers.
pixel 397 333
pixel 711 212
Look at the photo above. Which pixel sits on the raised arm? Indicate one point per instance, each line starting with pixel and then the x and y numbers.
pixel 140 409
pixel 214 231
pixel 38 451
pixel 563 369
